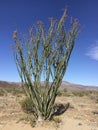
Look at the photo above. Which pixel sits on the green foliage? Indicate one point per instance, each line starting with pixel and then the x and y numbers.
pixel 56 119
pixel 32 120
pixel 27 105
pixel 44 54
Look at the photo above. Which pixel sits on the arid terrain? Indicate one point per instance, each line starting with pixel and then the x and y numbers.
pixel 82 113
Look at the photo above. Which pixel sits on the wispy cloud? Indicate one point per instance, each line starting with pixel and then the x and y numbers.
pixel 93 51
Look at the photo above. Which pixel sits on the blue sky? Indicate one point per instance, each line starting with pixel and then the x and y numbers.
pixel 21 14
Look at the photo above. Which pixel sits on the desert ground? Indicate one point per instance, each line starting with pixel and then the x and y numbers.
pixel 82 113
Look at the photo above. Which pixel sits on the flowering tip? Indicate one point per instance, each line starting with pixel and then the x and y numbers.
pixel 30 31
pixel 15 35
pixel 32 39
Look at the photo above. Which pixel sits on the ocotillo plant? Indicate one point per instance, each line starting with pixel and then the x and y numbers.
pixel 44 54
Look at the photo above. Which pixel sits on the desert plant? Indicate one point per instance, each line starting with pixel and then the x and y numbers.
pixel 60 93
pixel 44 55
pixel 27 105
pixel 14 90
pixel 78 93
pixel 56 119
pixel 65 90
pixel 2 92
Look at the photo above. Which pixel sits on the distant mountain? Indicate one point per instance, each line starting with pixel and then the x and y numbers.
pixel 72 86
pixel 5 84
pixel 64 85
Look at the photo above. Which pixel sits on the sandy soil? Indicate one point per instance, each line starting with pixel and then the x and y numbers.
pixel 79 116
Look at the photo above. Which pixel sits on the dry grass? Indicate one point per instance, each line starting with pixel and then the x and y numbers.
pixel 83 110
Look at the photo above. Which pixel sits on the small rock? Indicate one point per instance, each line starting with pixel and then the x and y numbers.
pixel 71 106
pixel 95 112
pixel 79 123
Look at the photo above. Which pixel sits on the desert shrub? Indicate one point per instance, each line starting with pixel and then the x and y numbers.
pixel 91 94
pixel 94 96
pixel 15 90
pixel 28 118
pixel 60 93
pixel 2 92
pixel 88 93
pixel 32 120
pixel 65 90
pixel 97 100
pixel 56 119
pixel 26 105
pixel 78 93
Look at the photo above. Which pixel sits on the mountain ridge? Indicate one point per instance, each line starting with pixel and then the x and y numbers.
pixel 64 85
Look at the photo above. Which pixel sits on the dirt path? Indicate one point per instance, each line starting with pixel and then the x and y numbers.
pixel 72 124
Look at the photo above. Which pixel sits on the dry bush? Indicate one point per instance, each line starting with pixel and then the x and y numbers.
pixel 14 91
pixel 26 105
pixel 62 92
pixel 2 92
pixel 78 93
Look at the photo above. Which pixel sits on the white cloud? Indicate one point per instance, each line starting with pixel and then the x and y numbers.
pixel 93 52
